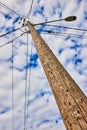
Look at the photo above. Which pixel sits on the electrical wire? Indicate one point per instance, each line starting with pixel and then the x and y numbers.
pixel 8 8
pixel 2 12
pixel 29 81
pixel 48 32
pixel 55 32
pixel 10 32
pixel 30 8
pixel 12 90
pixel 16 30
pixel 45 25
pixel 65 27
pixel 26 87
pixel 12 40
pixel 61 34
pixel 44 32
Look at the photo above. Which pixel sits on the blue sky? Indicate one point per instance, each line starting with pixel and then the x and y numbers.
pixel 71 50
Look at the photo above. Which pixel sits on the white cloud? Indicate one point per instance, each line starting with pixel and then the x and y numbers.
pixel 41 106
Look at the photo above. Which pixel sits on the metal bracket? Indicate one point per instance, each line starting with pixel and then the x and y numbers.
pixel 23 23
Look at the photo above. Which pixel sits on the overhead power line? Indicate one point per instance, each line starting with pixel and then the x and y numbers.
pixel 51 33
pixel 61 34
pixel 65 27
pixel 26 87
pixel 10 32
pixel 8 8
pixel 12 90
pixel 2 12
pixel 12 40
pixel 60 26
pixel 30 8
pixel 45 25
pixel 29 82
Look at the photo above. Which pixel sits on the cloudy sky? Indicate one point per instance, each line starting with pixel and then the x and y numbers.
pixel 69 45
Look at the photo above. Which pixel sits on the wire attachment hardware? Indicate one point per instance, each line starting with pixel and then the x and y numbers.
pixel 23 23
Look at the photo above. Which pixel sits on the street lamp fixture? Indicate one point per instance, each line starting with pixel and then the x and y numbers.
pixel 70 18
pixel 67 19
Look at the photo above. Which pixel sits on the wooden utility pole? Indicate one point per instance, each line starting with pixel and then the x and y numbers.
pixel 71 101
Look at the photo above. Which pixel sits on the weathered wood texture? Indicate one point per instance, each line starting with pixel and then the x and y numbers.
pixel 71 101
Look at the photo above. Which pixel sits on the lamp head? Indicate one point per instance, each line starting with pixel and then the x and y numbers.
pixel 70 18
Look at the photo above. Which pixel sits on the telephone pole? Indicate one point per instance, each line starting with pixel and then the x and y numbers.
pixel 71 101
